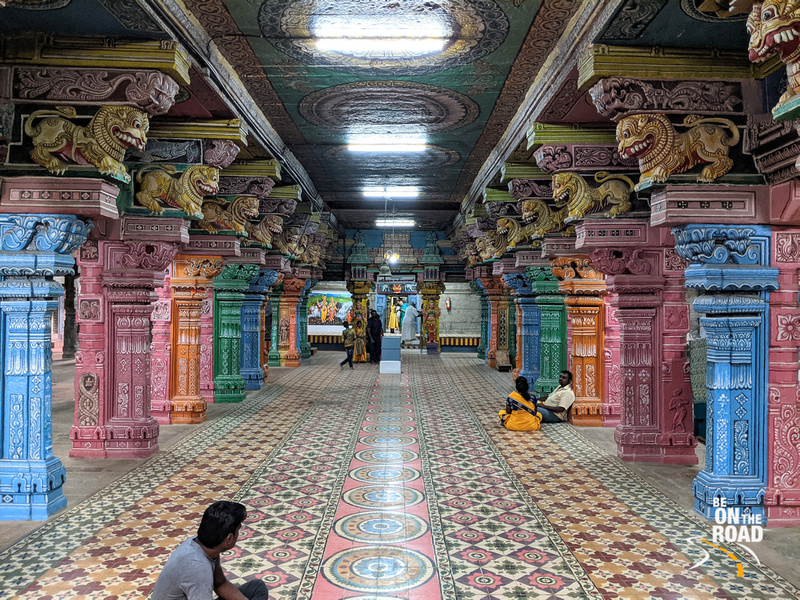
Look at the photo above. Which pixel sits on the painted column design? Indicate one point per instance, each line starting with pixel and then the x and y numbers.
pixel 302 319
pixel 497 297
pixel 359 291
pixel 478 289
pixel 112 374
pixel 613 393
pixel 553 328
pixel 191 287
pixel 731 261
pixel 287 329
pixel 528 350
pixel 70 328
pixel 207 347
pixel 274 356
pixel 265 337
pixel 33 249
pixel 656 419
pixel 782 500
pixel 430 312
pixel 251 370
pixel 512 331
pixel 229 288
pixel 160 352
pixel 583 286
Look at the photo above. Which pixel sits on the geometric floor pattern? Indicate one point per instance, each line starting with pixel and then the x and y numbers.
pixel 367 486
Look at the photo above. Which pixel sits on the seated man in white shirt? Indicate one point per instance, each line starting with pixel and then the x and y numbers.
pixel 555 407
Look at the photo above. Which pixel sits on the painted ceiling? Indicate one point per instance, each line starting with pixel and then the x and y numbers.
pixel 315 69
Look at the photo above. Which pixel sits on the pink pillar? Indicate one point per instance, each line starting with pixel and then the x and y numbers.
pixel 207 348
pixel 782 499
pixel 160 359
pixel 613 393
pixel 112 370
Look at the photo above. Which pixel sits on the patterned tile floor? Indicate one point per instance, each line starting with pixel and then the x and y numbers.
pixel 368 486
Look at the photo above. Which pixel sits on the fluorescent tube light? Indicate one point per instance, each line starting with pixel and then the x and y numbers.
pixel 391 192
pixel 395 223
pixel 387 143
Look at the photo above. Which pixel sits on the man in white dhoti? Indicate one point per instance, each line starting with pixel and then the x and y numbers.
pixel 409 331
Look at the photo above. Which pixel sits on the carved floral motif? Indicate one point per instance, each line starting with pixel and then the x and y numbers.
pixel 788 328
pixel 220 153
pixel 529 188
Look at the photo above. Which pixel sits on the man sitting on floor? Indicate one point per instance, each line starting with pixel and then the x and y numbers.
pixel 193 570
pixel 555 407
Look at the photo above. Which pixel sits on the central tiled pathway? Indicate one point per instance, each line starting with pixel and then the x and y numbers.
pixel 367 486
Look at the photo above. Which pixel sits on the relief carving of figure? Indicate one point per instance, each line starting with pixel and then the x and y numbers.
pixel 662 151
pixel 572 191
pixel 774 28
pixel 265 230
pixel 102 143
pixel 541 218
pixel 218 214
pixel 491 245
pixel 185 192
pixel 312 255
pixel 291 242
pixel 469 253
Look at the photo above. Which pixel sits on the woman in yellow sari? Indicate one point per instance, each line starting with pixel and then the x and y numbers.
pixel 360 352
pixel 520 413
pixel 392 321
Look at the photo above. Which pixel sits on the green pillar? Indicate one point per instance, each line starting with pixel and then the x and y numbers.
pixel 274 356
pixel 302 319
pixel 553 339
pixel 478 289
pixel 229 287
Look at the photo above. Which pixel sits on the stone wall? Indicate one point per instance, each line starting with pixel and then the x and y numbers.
pixel 464 317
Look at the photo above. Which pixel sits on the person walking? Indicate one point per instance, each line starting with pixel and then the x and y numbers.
pixel 349 340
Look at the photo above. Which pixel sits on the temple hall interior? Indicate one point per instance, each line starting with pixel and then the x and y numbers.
pixel 307 256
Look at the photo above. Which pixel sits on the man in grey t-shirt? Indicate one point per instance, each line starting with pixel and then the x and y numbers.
pixel 193 571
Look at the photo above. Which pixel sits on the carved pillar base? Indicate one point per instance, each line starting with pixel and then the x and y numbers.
pixel 31 477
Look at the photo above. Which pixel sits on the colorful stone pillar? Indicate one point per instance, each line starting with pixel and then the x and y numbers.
pixel 431 292
pixel 497 296
pixel 302 319
pixel 287 329
pixel 191 281
pixel 782 500
pixel 161 351
pixel 31 477
pixel 529 327
pixel 274 355
pixel 251 370
pixel 584 287
pixel 553 329
pixel 70 328
pixel 478 289
pixel 112 369
pixel 229 288
pixel 656 420
pixel 732 263
pixel 612 401
pixel 359 290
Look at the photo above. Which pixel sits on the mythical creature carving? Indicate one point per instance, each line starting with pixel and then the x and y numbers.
pixel 312 255
pixel 572 191
pixel 514 232
pixel 491 245
pixel 218 214
pixel 662 151
pixel 265 230
pixel 102 143
pixel 774 28
pixel 541 218
pixel 185 192
pixel 292 242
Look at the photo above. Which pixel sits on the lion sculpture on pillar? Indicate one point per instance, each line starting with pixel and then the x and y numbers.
pixel 572 191
pixel 185 192
pixel 774 28
pixel 265 230
pixel 218 214
pixel 662 151
pixel 102 143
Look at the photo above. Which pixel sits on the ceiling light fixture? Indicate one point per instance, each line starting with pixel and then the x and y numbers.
pixel 386 143
pixel 349 34
pixel 380 45
pixel 395 223
pixel 409 191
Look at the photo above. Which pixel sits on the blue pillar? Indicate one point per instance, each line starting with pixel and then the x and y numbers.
pixel 730 263
pixel 251 329
pixel 302 320
pixel 528 355
pixel 33 248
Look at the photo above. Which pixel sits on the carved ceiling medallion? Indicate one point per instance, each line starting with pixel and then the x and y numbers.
pixel 367 106
pixel 711 11
pixel 470 30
